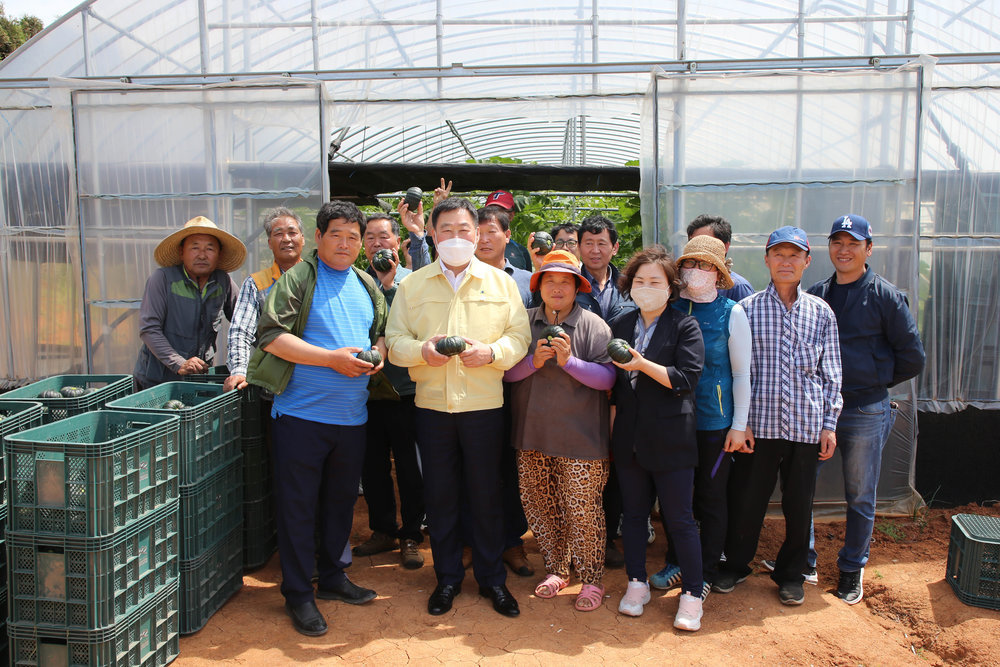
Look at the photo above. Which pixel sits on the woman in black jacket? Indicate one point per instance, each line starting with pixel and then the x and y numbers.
pixel 653 436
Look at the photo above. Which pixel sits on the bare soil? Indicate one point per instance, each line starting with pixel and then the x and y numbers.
pixel 909 615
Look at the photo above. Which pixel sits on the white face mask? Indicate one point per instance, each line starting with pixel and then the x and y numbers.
pixel 456 251
pixel 650 298
pixel 699 285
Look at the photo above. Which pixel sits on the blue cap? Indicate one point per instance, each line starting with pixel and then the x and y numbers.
pixel 792 235
pixel 854 225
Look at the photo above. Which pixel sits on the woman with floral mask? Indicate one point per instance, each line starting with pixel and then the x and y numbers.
pixel 722 396
pixel 560 430
pixel 653 436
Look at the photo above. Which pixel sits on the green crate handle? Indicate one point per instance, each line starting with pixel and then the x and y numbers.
pixel 50 456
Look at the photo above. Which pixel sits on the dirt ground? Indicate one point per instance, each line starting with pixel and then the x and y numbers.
pixel 909 616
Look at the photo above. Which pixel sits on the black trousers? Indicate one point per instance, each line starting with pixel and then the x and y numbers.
pixel 392 433
pixel 710 501
pixel 460 455
pixel 751 483
pixel 612 501
pixel 316 472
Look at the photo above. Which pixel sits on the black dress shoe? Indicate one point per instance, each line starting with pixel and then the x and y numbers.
pixel 441 599
pixel 348 592
pixel 503 602
pixel 307 618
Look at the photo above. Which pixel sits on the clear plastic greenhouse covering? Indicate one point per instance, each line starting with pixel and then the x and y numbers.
pixel 127 117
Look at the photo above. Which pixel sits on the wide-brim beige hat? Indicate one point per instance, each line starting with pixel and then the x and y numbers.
pixel 709 249
pixel 232 251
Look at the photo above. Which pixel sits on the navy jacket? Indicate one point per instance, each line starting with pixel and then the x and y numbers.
pixel 879 342
pixel 656 422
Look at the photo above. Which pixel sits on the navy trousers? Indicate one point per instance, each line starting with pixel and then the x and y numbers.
pixel 460 457
pixel 317 468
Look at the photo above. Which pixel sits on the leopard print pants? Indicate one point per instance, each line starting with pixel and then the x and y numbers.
pixel 562 501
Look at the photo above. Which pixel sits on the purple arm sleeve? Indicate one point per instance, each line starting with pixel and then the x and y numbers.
pixel 591 373
pixel 521 369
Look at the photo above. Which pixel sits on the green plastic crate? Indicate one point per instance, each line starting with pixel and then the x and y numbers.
pixel 15 416
pixel 260 533
pixel 209 581
pixel 209 427
pixel 211 509
pixel 87 583
pixel 258 477
pixel 147 638
pixel 974 560
pixel 255 410
pixel 108 388
pixel 91 474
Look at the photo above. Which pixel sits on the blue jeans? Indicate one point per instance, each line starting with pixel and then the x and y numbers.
pixel 861 435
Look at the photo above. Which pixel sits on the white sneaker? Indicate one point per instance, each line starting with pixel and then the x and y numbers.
pixel 636 596
pixel 688 613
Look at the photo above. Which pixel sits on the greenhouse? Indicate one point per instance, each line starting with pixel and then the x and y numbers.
pixel 125 118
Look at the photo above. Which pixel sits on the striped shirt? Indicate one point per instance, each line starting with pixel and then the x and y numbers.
pixel 795 372
pixel 340 316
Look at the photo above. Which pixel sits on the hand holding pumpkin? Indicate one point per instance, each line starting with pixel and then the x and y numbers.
pixel 637 363
pixel 477 354
pixel 344 362
pixel 562 348
pixel 430 354
pixel 412 220
pixel 543 352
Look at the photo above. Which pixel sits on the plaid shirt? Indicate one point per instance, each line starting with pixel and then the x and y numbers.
pixel 795 372
pixel 243 327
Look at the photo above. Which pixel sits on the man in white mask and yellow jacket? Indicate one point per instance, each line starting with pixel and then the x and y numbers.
pixel 459 398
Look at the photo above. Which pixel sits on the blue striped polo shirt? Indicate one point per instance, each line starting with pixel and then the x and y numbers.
pixel 341 316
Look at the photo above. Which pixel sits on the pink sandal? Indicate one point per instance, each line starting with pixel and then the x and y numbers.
pixel 550 586
pixel 590 598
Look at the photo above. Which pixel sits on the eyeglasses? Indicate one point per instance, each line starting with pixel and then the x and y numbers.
pixel 565 244
pixel 701 264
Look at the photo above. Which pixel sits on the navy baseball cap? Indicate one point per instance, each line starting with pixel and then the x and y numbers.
pixel 792 235
pixel 854 225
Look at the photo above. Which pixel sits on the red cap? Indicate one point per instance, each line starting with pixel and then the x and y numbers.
pixel 501 198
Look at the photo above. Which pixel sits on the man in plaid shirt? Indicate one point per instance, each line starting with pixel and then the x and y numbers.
pixel 795 377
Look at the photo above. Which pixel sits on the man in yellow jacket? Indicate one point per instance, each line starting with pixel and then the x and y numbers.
pixel 459 399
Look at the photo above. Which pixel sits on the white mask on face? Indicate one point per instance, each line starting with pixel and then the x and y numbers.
pixel 649 298
pixel 456 251
pixel 699 285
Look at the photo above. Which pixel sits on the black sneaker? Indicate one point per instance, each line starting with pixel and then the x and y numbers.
pixel 791 592
pixel 726 581
pixel 850 589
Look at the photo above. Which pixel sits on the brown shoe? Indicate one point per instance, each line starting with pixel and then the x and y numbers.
pixel 412 559
pixel 376 544
pixel 517 561
pixel 466 557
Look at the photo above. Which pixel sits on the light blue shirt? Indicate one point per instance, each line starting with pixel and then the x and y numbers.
pixel 341 315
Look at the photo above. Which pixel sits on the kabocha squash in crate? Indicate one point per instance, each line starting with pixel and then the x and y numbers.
pixel 382 260
pixel 371 356
pixel 450 346
pixel 174 404
pixel 50 393
pixel 619 350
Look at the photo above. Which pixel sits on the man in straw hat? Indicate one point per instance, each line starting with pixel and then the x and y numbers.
pixel 184 301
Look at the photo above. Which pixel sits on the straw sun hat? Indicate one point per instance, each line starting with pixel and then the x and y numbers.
pixel 232 251
pixel 709 249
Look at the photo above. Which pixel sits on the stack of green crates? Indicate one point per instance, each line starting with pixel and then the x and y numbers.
pixel 260 526
pixel 101 389
pixel 15 416
pixel 211 492
pixel 93 540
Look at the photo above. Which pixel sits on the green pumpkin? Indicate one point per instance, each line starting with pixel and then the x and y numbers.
pixel 371 356
pixel 413 197
pixel 174 404
pixel 382 260
pixel 619 351
pixel 50 393
pixel 89 390
pixel 552 331
pixel 450 346
pixel 71 392
pixel 542 243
